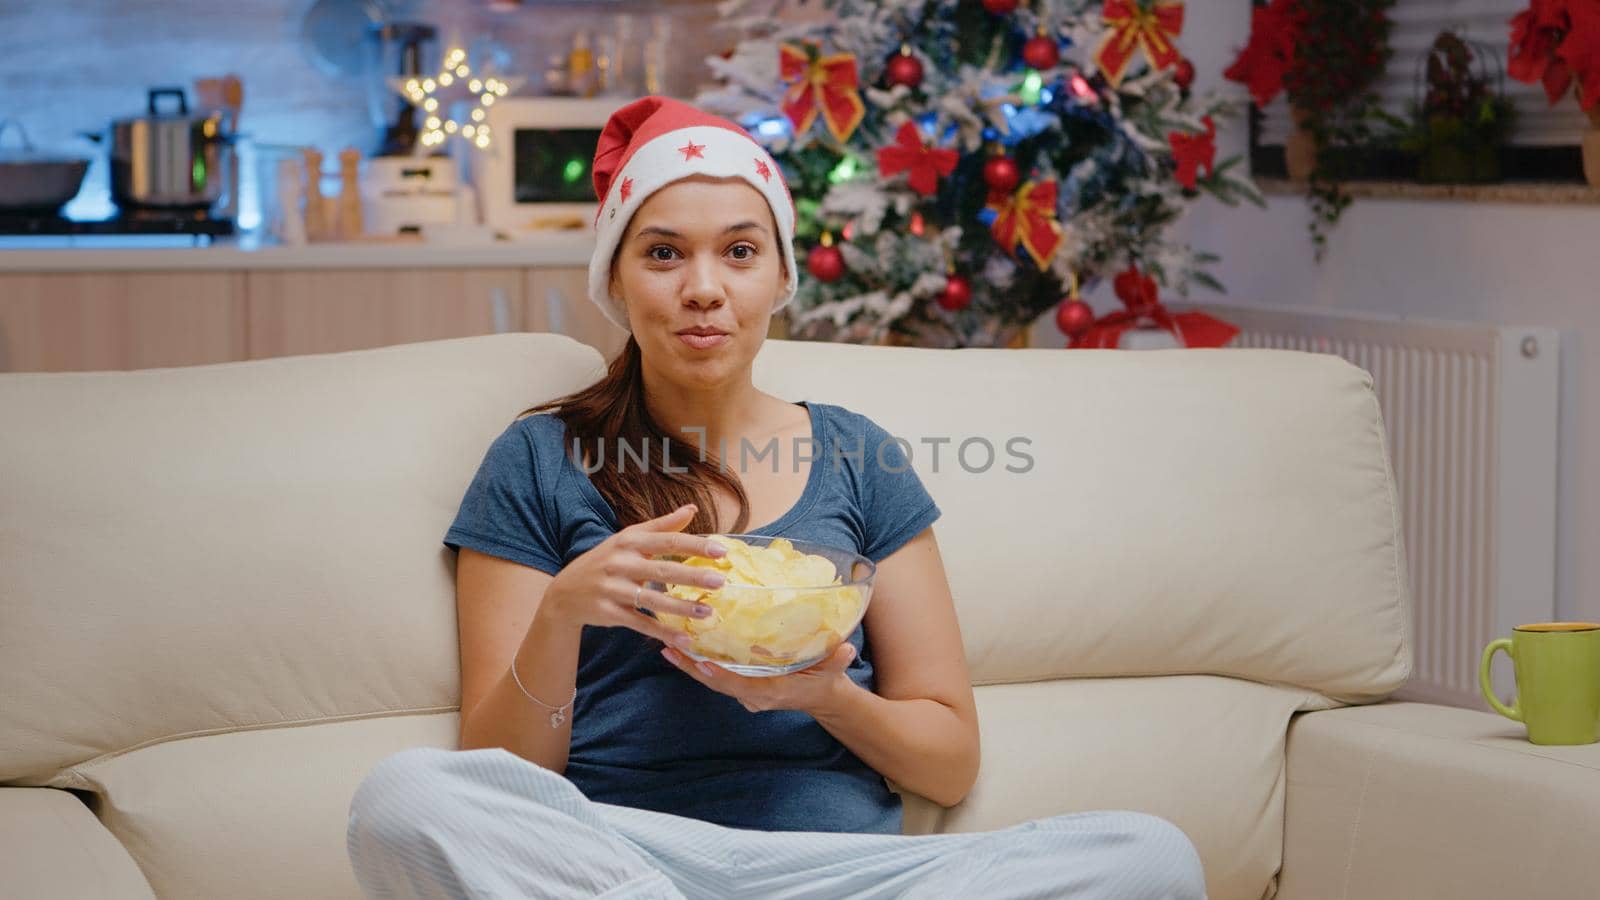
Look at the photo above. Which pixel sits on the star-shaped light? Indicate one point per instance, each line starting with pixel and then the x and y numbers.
pixel 692 150
pixel 455 72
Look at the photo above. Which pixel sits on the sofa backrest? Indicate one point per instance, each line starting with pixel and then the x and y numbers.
pixel 215 548
pixel 1227 512
pixel 211 549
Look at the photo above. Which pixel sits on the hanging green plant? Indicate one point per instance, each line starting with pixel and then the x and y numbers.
pixel 1328 57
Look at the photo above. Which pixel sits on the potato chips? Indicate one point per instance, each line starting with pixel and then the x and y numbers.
pixel 778 606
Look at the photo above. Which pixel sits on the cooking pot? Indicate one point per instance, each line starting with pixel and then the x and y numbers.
pixel 32 182
pixel 172 159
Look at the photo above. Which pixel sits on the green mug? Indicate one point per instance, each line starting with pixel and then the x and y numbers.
pixel 1557 665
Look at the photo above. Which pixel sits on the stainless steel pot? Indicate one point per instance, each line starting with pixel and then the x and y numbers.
pixel 35 182
pixel 173 159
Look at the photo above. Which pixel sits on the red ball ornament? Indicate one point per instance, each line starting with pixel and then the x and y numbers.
pixel 1000 7
pixel 957 293
pixel 1001 174
pixel 903 69
pixel 1074 317
pixel 826 263
pixel 1184 74
pixel 1041 53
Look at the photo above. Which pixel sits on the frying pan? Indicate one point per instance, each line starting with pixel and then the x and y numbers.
pixel 35 182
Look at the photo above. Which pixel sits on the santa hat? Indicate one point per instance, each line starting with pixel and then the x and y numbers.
pixel 655 141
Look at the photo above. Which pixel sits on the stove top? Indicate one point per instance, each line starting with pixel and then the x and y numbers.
pixel 194 223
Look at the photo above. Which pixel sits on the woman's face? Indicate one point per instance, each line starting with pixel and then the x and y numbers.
pixel 700 252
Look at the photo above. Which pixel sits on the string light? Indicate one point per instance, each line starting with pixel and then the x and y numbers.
pixel 485 91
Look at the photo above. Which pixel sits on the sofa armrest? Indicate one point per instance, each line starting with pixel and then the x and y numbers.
pixel 52 846
pixel 1417 801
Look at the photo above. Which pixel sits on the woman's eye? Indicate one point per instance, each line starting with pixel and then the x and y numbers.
pixel 749 251
pixel 660 249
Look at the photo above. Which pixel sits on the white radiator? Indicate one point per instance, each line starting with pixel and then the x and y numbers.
pixel 1471 413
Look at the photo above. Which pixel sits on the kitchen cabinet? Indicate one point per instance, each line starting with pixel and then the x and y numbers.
pixel 108 309
pixel 103 320
pixel 294 312
pixel 557 300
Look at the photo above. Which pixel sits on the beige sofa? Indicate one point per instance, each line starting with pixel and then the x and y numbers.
pixel 223 598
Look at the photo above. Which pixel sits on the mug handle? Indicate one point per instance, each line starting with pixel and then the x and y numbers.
pixel 1514 712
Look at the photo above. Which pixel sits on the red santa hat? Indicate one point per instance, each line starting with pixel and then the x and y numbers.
pixel 655 141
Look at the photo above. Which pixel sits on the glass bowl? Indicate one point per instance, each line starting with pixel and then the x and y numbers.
pixel 783 624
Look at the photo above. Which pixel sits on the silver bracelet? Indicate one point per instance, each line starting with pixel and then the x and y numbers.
pixel 558 714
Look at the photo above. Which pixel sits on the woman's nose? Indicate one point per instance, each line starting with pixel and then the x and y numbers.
pixel 703 283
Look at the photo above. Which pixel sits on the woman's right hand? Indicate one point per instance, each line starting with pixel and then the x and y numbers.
pixel 599 587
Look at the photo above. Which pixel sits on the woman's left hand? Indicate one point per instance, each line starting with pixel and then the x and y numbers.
pixel 806 690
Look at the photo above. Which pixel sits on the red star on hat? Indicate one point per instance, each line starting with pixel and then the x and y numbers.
pixel 762 170
pixel 627 188
pixel 692 150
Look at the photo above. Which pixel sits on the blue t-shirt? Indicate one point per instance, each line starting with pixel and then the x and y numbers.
pixel 648 736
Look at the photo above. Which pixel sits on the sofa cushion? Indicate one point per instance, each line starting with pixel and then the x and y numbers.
pixel 205 549
pixel 251 815
pixel 223 816
pixel 1404 800
pixel 51 845
pixel 1203 752
pixel 1182 511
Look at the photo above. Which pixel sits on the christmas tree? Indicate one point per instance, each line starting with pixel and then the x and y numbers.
pixel 961 167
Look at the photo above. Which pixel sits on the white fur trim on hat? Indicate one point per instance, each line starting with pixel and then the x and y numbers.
pixel 694 150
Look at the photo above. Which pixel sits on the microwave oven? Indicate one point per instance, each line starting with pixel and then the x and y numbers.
pixel 536 172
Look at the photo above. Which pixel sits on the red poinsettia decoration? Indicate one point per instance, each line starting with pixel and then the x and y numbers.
pixel 1557 42
pixel 1142 307
pixel 1193 151
pixel 1265 60
pixel 925 163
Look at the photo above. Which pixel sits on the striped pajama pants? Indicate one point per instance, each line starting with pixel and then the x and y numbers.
pixel 431 823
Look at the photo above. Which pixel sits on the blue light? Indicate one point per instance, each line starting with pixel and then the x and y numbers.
pixel 1046 95
pixel 249 212
pixel 93 202
pixel 1008 109
pixel 990 134
pixel 987 215
pixel 773 127
pixel 1031 121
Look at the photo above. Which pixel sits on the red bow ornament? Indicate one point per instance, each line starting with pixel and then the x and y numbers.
pixel 926 163
pixel 1138 294
pixel 1193 151
pixel 1028 216
pixel 825 84
pixel 1148 24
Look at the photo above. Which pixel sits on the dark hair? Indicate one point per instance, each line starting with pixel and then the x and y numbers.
pixel 611 413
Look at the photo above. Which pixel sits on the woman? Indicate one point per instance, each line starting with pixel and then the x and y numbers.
pixel 595 759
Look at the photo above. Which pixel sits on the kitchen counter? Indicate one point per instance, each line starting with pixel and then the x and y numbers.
pixel 95 303
pixel 118 254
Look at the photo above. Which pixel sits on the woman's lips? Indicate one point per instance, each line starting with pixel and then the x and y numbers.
pixel 703 341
